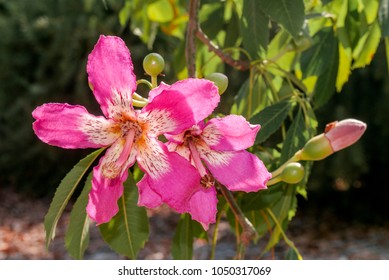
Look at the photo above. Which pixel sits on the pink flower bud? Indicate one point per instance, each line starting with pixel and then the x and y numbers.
pixel 337 136
pixel 344 133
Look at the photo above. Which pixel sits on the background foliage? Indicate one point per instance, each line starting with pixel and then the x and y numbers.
pixel 293 56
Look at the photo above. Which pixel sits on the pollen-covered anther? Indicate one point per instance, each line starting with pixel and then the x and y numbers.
pixel 207 181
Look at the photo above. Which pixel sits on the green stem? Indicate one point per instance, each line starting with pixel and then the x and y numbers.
pixel 215 233
pixel 273 181
pixel 294 158
pixel 286 239
pixel 154 82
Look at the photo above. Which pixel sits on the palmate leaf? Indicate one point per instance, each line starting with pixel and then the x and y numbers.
pixel 128 231
pixel 77 235
pixel 270 119
pixel 65 191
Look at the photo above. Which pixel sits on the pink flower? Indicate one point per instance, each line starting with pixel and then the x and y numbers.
pixel 217 150
pixel 337 136
pixel 130 134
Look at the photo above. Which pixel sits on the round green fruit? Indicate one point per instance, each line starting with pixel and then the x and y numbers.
pixel 220 80
pixel 293 173
pixel 153 64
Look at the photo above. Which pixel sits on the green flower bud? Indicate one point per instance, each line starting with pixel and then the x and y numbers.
pixel 317 148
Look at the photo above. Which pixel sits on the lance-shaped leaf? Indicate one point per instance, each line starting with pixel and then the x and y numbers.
pixel 128 231
pixel 270 119
pixel 288 13
pixel 315 61
pixel 77 235
pixel 182 248
pixel 254 28
pixel 64 192
pixel 295 138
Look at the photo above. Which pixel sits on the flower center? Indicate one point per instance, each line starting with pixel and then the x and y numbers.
pixel 131 131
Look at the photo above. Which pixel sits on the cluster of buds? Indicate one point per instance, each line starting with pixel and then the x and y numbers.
pixel 336 136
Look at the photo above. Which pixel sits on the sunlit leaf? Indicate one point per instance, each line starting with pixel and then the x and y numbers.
pixel 77 235
pixel 344 69
pixel 288 13
pixel 160 11
pixel 64 192
pixel 270 119
pixel 128 231
pixel 367 46
pixel 370 8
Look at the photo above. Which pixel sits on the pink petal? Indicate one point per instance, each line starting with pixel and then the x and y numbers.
pixel 203 206
pixel 238 171
pixel 180 106
pixel 107 182
pixel 231 133
pixel 148 197
pixel 111 74
pixel 103 197
pixel 169 175
pixel 70 127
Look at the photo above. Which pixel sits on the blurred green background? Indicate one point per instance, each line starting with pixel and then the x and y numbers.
pixel 43 50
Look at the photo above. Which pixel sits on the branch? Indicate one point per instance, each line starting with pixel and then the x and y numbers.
pixel 190 47
pixel 248 230
pixel 237 64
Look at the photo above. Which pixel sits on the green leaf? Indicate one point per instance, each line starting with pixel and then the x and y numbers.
pixel 254 29
pixel 160 11
pixel 344 68
pixel 315 61
pixel 128 231
pixel 77 235
pixel 64 192
pixel 367 46
pixel 325 84
pixel 288 13
pixel 270 119
pixel 182 248
pixel 295 138
pixel 261 200
pixel 383 15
